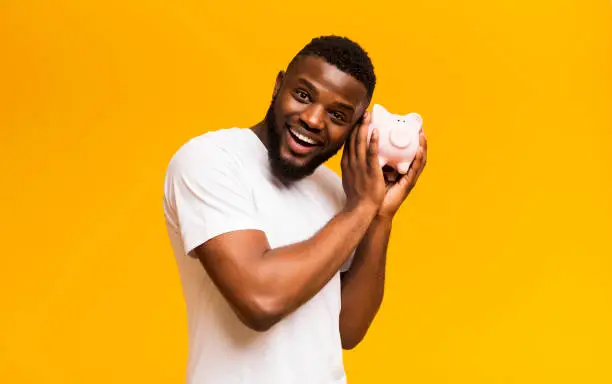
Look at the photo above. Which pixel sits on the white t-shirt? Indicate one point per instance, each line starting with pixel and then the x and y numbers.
pixel 220 182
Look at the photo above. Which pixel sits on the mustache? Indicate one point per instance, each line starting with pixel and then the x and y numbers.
pixel 304 125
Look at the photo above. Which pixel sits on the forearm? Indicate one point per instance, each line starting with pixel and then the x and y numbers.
pixel 363 284
pixel 284 278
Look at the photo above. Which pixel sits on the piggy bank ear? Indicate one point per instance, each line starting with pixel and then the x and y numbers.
pixel 414 119
pixel 380 112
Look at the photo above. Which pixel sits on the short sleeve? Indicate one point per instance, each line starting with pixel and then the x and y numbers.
pixel 208 194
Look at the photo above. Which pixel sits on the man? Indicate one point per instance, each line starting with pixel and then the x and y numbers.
pixel 282 262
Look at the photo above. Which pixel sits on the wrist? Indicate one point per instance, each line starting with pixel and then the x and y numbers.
pixel 385 214
pixel 383 219
pixel 365 209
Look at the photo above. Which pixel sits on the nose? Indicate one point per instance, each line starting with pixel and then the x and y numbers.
pixel 313 117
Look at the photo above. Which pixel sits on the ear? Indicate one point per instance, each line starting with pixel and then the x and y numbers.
pixel 279 82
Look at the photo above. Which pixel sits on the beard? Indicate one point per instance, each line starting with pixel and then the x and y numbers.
pixel 285 169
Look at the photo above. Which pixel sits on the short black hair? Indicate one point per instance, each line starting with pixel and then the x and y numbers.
pixel 346 55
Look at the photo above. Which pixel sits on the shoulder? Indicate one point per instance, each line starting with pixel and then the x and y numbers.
pixel 206 165
pixel 215 149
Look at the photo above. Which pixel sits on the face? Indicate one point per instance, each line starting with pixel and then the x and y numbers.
pixel 314 108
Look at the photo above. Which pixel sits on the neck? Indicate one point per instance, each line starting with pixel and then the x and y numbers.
pixel 261 130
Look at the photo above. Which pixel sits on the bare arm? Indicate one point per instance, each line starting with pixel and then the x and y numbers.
pixel 264 285
pixel 363 284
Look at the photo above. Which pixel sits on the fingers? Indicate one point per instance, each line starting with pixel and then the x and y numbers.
pixel 373 145
pixel 357 145
pixel 408 181
pixel 415 171
pixel 346 151
pixel 361 143
pixel 423 149
pixel 419 162
pixel 371 151
pixel 398 191
pixel 372 154
pixel 361 173
pixel 422 139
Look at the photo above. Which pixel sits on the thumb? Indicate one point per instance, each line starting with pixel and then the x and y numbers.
pixel 406 181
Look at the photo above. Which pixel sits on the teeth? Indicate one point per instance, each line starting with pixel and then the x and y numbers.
pixel 303 138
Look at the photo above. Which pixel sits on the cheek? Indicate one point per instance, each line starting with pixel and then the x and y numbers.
pixel 279 116
pixel 288 106
pixel 338 136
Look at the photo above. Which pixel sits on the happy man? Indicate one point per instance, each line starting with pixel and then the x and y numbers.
pixel 282 262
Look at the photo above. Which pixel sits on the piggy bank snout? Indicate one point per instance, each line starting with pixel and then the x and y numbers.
pixel 400 137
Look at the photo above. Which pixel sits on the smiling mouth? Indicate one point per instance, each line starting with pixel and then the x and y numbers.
pixel 302 139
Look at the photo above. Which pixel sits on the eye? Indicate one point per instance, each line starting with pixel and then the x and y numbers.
pixel 338 116
pixel 301 95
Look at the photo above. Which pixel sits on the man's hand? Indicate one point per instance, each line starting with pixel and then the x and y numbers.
pixel 363 284
pixel 362 177
pixel 399 188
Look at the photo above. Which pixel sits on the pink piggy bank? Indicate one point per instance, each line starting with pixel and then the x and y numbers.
pixel 398 137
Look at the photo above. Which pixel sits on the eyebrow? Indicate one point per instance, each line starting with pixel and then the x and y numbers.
pixel 339 103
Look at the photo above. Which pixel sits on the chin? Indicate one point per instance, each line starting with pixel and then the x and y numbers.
pixel 290 168
pixel 286 164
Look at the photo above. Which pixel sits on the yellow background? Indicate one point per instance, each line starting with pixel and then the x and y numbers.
pixel 500 263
